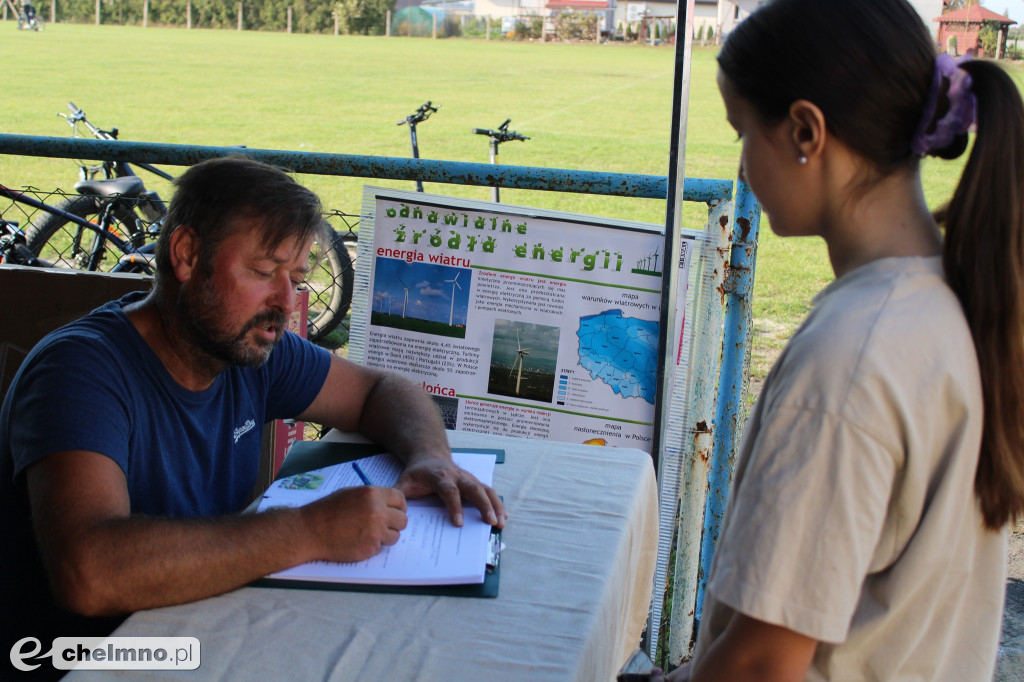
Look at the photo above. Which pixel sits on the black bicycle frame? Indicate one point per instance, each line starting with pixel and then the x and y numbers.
pixel 125 247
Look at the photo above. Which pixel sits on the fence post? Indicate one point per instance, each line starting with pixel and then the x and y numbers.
pixel 433 31
pixel 289 19
pixel 335 15
pixel 487 26
pixel 239 16
pixel 145 13
pixel 53 11
pixel 387 24
pixel 97 12
pixel 188 14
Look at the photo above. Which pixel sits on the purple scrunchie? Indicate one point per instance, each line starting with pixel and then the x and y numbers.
pixel 962 103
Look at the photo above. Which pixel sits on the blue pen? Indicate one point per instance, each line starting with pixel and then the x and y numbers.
pixel 362 475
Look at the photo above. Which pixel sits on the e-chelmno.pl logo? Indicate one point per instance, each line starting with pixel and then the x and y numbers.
pixel 109 653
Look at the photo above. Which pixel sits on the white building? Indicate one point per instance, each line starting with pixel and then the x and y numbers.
pixel 721 15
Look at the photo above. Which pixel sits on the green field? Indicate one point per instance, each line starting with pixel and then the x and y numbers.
pixel 594 107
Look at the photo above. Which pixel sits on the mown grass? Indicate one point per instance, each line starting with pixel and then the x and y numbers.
pixel 585 106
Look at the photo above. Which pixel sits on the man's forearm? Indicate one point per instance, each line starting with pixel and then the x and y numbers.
pixel 126 564
pixel 400 416
pixel 109 564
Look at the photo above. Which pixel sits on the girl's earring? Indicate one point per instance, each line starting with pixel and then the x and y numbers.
pixel 802 160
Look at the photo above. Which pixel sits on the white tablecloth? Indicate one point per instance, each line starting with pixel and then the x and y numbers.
pixel 576 580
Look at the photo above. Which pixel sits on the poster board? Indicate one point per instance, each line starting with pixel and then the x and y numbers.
pixel 518 321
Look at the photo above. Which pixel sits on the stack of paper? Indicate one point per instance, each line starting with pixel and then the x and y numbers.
pixel 430 551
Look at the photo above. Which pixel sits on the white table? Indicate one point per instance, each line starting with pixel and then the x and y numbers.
pixel 576 581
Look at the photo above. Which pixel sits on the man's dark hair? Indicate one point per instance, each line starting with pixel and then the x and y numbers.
pixel 213 195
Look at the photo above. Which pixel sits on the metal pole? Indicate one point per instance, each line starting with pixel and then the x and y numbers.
pixel 673 213
pixel 494 161
pixel 362 166
pixel 415 151
pixel 729 410
pixel 666 346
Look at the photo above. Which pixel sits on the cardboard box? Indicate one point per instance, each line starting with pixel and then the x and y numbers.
pixel 35 301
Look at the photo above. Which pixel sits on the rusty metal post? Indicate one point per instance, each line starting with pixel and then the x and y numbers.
pixel 730 412
pixel 692 429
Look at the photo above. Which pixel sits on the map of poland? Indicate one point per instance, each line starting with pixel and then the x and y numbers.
pixel 620 351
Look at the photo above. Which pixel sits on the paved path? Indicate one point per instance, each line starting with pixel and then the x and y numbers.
pixel 1010 667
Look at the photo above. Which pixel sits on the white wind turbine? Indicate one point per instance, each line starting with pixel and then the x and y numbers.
pixel 406 300
pixel 519 361
pixel 454 283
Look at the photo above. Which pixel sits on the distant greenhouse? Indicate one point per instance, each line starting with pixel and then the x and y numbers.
pixel 420 22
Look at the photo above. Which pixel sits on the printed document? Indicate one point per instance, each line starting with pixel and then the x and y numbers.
pixel 430 551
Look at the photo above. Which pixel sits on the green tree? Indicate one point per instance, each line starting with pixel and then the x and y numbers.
pixel 989 37
pixel 365 17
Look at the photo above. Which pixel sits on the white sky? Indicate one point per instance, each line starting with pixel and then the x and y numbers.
pixel 1013 8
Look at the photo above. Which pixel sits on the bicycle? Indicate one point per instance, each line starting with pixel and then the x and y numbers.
pixel 501 134
pixel 15 249
pixel 418 116
pixel 30 19
pixel 137 213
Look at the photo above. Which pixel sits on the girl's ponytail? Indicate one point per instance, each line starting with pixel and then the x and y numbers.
pixel 984 263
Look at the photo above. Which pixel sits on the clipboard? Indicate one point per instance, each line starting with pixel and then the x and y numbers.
pixel 488 589
pixel 306 456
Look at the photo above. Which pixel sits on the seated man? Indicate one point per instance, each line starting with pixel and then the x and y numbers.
pixel 130 439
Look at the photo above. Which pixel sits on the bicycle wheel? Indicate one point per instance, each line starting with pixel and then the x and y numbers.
pixel 38 23
pixel 64 244
pixel 330 289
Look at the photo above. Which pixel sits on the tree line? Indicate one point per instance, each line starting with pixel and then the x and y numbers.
pixel 365 17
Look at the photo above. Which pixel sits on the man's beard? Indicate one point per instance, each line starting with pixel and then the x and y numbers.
pixel 201 313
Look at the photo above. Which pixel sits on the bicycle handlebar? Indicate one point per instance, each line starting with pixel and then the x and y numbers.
pixel 78 116
pixel 502 134
pixel 420 115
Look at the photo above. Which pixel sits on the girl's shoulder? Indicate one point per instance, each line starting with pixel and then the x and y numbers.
pixel 888 331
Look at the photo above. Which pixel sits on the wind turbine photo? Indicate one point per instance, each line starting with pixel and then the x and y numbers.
pixel 415 297
pixel 508 375
pixel 455 283
pixel 406 300
pixel 520 352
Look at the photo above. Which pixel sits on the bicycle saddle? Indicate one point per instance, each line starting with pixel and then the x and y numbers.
pixel 130 186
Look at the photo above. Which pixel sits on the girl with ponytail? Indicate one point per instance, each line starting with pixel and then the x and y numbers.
pixel 866 532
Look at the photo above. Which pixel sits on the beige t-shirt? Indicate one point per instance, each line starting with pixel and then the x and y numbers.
pixel 852 516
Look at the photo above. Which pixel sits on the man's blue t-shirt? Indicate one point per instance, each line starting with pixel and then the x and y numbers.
pixel 96 385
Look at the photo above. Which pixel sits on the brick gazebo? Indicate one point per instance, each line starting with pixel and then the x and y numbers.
pixel 965 24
